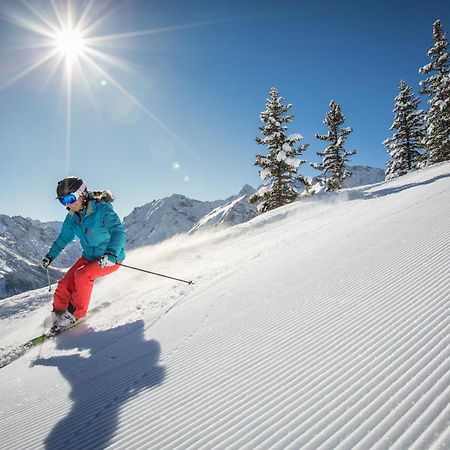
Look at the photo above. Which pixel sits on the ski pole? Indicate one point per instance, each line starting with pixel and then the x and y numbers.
pixel 48 278
pixel 158 274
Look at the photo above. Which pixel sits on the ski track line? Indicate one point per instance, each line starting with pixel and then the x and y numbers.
pixel 111 344
pixel 373 428
pixel 240 431
pixel 430 439
pixel 331 436
pixel 424 411
pixel 100 405
pixel 280 413
pixel 100 374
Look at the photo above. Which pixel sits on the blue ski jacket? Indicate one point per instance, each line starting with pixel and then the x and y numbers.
pixel 99 229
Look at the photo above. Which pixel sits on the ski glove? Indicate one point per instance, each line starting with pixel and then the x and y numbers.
pixel 106 261
pixel 46 262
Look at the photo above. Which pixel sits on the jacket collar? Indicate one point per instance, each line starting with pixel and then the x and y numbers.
pixel 87 210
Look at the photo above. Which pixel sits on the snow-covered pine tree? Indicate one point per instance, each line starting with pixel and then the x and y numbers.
pixel 334 157
pixel 403 147
pixel 279 167
pixel 437 86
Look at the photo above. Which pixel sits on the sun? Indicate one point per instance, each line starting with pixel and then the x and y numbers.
pixel 64 37
pixel 69 43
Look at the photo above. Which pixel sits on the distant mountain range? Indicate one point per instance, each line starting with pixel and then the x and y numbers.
pixel 24 242
pixel 362 175
pixel 162 219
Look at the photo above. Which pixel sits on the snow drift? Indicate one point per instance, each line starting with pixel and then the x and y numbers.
pixel 323 324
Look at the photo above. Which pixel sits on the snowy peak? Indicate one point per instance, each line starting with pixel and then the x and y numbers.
pixel 236 210
pixel 162 219
pixel 246 190
pixel 363 175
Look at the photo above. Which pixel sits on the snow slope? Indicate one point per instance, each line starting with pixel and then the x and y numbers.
pixel 321 325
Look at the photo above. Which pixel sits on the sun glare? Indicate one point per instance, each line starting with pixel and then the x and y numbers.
pixel 68 39
pixel 69 43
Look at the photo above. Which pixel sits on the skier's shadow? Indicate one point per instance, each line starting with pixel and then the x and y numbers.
pixel 120 365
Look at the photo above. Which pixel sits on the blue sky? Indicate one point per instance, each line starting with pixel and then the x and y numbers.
pixel 180 113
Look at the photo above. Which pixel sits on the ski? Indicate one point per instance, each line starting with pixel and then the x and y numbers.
pixel 20 350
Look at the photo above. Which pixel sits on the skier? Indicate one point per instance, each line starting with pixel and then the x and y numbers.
pixel 92 219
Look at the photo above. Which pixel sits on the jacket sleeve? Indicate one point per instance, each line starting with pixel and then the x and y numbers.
pixel 117 233
pixel 66 236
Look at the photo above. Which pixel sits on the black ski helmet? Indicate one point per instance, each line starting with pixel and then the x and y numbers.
pixel 69 185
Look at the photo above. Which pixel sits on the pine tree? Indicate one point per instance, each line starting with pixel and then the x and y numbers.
pixel 403 147
pixel 335 156
pixel 279 167
pixel 437 86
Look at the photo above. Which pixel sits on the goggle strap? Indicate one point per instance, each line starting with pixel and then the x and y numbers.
pixel 80 190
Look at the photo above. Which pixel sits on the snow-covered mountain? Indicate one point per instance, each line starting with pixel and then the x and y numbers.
pixel 23 243
pixel 164 218
pixel 362 175
pixel 320 325
pixel 177 214
pixel 236 210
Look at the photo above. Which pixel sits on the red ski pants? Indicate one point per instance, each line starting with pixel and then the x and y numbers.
pixel 74 289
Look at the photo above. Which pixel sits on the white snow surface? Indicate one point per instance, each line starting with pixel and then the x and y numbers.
pixel 321 325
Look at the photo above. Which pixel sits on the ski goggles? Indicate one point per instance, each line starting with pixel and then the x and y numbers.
pixel 72 197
